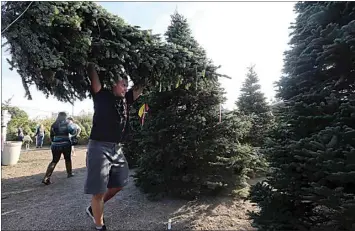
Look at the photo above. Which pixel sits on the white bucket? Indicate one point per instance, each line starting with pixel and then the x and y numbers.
pixel 11 153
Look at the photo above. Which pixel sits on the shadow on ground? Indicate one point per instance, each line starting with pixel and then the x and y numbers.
pixel 46 148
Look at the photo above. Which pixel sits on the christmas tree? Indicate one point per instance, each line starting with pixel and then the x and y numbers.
pixel 312 184
pixel 252 102
pixel 186 150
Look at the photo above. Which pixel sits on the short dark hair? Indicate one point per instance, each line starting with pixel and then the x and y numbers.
pixel 70 118
pixel 62 113
pixel 61 116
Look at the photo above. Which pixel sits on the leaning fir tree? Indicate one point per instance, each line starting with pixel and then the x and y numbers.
pixel 312 154
pixel 186 151
pixel 52 41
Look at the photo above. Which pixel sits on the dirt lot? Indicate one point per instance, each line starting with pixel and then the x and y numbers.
pixel 29 205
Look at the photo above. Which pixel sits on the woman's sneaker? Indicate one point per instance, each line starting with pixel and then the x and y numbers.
pixel 47 181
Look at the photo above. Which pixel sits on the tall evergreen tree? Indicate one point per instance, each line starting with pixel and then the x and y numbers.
pixel 186 151
pixel 252 102
pixel 312 186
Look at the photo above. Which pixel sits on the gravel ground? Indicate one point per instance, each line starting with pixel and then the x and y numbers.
pixel 29 205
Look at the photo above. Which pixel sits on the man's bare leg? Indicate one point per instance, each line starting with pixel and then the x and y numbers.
pixel 97 206
pixel 111 192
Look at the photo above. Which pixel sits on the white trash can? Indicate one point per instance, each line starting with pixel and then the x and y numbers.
pixel 11 153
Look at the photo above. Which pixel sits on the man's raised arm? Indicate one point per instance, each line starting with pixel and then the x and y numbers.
pixel 94 78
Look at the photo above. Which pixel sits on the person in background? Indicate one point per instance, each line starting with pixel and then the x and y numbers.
pixel 71 121
pixel 27 141
pixel 40 132
pixel 20 134
pixel 61 144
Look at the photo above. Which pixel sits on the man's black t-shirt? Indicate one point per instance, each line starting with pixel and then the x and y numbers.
pixel 110 116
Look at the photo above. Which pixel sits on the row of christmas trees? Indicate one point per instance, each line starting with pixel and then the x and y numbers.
pixel 309 148
pixel 183 149
pixel 181 143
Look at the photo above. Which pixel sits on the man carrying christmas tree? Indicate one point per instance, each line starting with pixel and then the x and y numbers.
pixel 107 168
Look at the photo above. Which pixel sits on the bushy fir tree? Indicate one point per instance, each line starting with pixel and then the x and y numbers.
pixel 312 154
pixel 186 151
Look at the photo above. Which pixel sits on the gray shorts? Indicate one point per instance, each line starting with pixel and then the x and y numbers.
pixel 106 167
